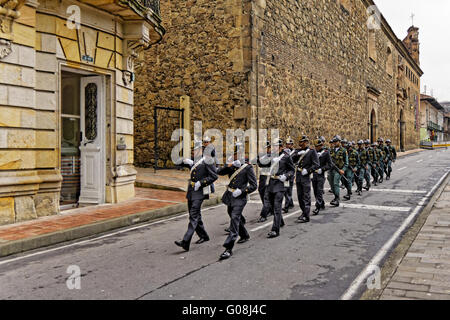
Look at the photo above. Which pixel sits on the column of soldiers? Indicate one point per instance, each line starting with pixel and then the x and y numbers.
pixel 345 162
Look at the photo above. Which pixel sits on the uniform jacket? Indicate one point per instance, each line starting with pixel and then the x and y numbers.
pixel 285 166
pixel 206 174
pixel 245 181
pixel 392 152
pixel 310 162
pixel 380 154
pixel 363 157
pixel 340 158
pixel 372 155
pixel 324 160
pixel 353 159
pixel 264 167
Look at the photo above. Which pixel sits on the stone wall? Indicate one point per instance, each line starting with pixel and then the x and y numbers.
pixel 306 70
pixel 204 55
pixel 315 72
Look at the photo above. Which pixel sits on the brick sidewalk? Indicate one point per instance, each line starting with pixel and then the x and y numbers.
pixel 424 272
pixel 145 200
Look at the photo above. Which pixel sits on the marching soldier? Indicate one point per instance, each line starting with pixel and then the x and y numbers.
pixel 289 185
pixel 381 158
pixel 340 163
pixel 202 176
pixel 210 152
pixel 264 174
pixel 363 168
pixel 242 183
pixel 392 157
pixel 330 173
pixel 281 170
pixel 353 166
pixel 318 180
pixel 373 162
pixel 307 162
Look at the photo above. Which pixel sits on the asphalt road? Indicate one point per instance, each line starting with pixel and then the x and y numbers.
pixel 318 260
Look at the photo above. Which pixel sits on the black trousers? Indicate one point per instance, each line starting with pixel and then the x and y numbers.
pixel 318 183
pixel 195 221
pixel 276 202
pixel 263 194
pixel 304 194
pixel 237 226
pixel 288 201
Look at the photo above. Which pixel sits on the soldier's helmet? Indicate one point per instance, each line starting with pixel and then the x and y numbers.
pixel 337 138
pixel 374 145
pixel 289 140
pixel 367 141
pixel 303 138
pixel 388 141
pixel 207 139
pixel 380 140
pixel 278 143
pixel 353 143
pixel 322 138
pixel 318 141
pixel 344 141
pixel 360 142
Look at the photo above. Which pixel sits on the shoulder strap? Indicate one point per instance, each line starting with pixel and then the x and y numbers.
pixel 238 171
pixel 197 164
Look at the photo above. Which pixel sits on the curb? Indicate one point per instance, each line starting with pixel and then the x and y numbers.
pixel 96 228
pixel 141 184
pixel 393 260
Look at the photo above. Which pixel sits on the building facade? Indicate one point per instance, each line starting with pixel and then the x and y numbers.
pixel 304 67
pixel 66 101
pixel 431 120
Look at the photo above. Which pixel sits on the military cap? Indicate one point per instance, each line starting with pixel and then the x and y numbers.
pixel 374 144
pixel 303 138
pixel 380 140
pixel 318 141
pixel 344 141
pixel 289 140
pixel 388 141
pixel 337 138
pixel 322 138
pixel 207 139
pixel 360 142
pixel 278 142
pixel 367 141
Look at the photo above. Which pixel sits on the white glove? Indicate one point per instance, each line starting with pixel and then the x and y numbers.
pixel 197 185
pixel 283 178
pixel 304 172
pixel 319 171
pixel 300 153
pixel 237 193
pixel 237 164
pixel 188 162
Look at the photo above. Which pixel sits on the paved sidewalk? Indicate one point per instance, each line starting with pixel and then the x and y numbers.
pixel 424 272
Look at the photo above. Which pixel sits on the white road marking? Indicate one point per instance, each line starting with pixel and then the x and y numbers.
pixel 271 223
pixel 399 191
pixel 402 168
pixel 371 207
pixel 378 258
pixel 419 161
pixel 102 237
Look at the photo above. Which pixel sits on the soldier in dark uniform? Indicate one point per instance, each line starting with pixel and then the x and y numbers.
pixel 281 170
pixel 340 162
pixel 353 166
pixel 264 163
pixel 363 167
pixel 392 157
pixel 381 158
pixel 289 185
pixel 330 173
pixel 242 183
pixel 306 162
pixel 210 154
pixel 202 176
pixel 369 165
pixel 318 180
pixel 373 162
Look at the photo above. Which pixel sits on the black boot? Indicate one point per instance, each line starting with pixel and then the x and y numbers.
pixel 226 254
pixel 316 211
pixel 347 197
pixel 183 245
pixel 335 202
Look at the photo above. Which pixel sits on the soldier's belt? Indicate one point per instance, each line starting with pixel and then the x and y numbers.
pixel 266 174
pixel 191 183
pixel 275 177
pixel 231 190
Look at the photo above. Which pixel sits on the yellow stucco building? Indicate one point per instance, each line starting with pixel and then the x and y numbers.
pixel 66 101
